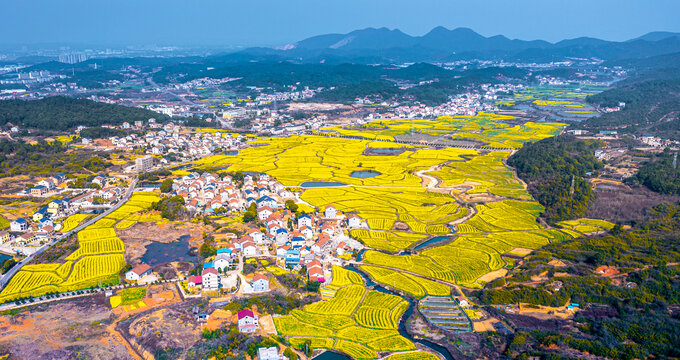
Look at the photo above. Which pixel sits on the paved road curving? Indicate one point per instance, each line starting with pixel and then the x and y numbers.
pixel 8 276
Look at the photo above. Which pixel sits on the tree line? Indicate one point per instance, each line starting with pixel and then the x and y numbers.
pixel 60 113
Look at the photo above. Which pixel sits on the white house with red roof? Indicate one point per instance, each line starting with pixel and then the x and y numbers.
pixel 274 218
pixel 341 248
pixel 216 203
pixel 260 283
pixel 247 321
pixel 234 204
pixel 264 212
pixel 249 248
pixel 315 271
pixel 282 250
pixel 330 212
pixel 328 228
pixel 138 272
pixel 211 279
pixel 354 221
pixel 307 232
pixel 257 235
pixel 194 281
pixel 273 228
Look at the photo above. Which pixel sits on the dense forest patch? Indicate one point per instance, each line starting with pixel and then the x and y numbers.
pixel 555 170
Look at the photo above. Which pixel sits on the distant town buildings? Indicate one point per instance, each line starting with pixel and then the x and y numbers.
pixel 72 58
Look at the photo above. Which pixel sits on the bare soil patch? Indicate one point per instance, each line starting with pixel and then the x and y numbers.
pixel 172 327
pixel 521 251
pixel 489 277
pixel 484 325
pixel 557 263
pixel 62 330
pixel 625 204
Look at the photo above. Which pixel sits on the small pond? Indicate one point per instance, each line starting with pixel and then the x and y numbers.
pixel 330 355
pixel 434 240
pixel 364 174
pixel 318 184
pixel 231 152
pixel 182 167
pixel 161 253
pixel 4 257
pixel 385 151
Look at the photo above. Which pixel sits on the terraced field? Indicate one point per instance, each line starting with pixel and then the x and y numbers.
pixel 298 159
pixel 546 93
pixel 489 129
pixel 355 321
pixel 72 222
pixel 475 194
pixel 586 226
pixel 483 174
pixel 470 255
pixel 97 261
pixel 410 284
pixel 396 194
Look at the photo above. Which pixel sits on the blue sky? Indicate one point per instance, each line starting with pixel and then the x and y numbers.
pixel 275 22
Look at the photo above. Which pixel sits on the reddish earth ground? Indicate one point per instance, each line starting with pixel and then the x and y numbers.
pixel 63 330
pixel 606 271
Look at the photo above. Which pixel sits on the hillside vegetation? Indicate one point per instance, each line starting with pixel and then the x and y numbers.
pixel 630 317
pixel 43 158
pixel 652 107
pixel 660 175
pixel 61 113
pixel 555 170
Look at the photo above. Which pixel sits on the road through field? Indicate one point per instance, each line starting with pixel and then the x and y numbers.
pixel 8 276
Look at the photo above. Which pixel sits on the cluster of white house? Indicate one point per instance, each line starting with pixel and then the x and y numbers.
pixel 24 232
pixel 169 140
pixel 215 276
pixel 311 236
pixel 41 224
pixel 210 192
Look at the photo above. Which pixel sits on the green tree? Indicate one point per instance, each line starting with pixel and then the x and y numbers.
pixel 251 214
pixel 290 354
pixel 291 205
pixel 166 186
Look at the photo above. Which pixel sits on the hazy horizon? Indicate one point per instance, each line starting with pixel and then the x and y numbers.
pixel 214 23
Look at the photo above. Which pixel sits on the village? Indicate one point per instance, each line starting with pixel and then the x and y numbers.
pixel 293 242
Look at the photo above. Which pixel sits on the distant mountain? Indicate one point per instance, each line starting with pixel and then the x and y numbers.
pixel 439 38
pixel 359 40
pixel 656 36
pixel 441 44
